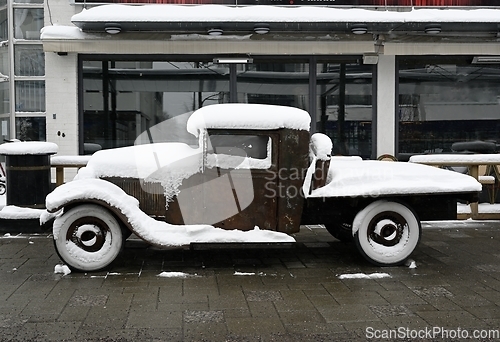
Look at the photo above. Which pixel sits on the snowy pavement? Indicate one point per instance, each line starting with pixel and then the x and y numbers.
pixel 318 290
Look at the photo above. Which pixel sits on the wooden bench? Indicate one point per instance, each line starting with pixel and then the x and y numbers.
pixel 483 167
pixel 62 162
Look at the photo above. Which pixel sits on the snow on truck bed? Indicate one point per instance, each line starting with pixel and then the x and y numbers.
pixel 378 178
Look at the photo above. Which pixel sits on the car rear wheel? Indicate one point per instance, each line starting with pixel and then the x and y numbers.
pixel 340 231
pixel 88 238
pixel 386 233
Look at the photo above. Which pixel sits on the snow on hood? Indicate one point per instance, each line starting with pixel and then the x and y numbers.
pixel 165 163
pixel 248 116
pixel 155 232
pixel 377 178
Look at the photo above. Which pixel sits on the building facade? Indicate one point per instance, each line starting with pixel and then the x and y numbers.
pixel 379 77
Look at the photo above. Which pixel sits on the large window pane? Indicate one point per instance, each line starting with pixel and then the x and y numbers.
pixel 29 60
pixel 279 83
pixel 30 96
pixel 30 129
pixel 121 99
pixel 3 24
pixel 446 101
pixel 344 102
pixel 4 98
pixel 27 23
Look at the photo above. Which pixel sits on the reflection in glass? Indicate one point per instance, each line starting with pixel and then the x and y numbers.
pixel 30 96
pixel 4 24
pixel 30 128
pixel 121 99
pixel 443 103
pixel 285 84
pixel 27 23
pixel 4 98
pixel 29 60
pixel 344 100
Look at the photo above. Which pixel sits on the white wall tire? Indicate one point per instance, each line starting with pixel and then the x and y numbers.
pixel 386 233
pixel 87 238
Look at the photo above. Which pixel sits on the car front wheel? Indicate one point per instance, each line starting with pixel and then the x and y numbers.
pixel 87 238
pixel 386 233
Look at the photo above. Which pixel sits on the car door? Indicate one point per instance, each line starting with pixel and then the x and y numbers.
pixel 237 188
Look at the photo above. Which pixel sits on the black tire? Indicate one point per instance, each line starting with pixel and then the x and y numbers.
pixel 87 238
pixel 340 231
pixel 386 233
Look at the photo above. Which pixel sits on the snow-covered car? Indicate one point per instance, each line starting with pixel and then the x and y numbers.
pixel 255 175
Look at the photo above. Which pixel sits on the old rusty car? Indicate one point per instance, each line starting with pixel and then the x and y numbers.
pixel 255 174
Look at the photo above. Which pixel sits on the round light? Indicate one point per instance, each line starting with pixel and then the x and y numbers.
pixel 112 28
pixel 216 31
pixel 261 28
pixel 359 29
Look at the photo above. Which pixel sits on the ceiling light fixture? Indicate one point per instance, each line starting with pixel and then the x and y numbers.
pixel 486 60
pixel 359 29
pixel 230 60
pixel 215 31
pixel 432 29
pixel 112 28
pixel 261 28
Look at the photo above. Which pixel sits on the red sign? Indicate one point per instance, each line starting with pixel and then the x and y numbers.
pixel 416 3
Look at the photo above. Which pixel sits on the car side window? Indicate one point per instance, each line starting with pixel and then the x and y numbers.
pixel 239 151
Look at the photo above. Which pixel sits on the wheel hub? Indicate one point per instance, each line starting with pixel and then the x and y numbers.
pixel 89 234
pixel 387 231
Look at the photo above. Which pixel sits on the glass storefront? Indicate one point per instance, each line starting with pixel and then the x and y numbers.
pixel 123 98
pixel 446 100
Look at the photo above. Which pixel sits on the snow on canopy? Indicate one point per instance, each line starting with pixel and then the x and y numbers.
pixel 247 116
pixel 268 13
pixel 28 148
pixel 382 178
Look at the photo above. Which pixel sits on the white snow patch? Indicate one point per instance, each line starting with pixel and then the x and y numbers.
pixel 236 273
pixel 28 148
pixel 411 263
pixel 456 158
pixel 321 146
pixel 176 275
pixel 62 269
pixel 376 275
pixel 12 212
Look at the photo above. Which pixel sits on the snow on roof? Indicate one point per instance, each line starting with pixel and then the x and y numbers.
pixel 248 116
pixel 28 148
pixel 263 13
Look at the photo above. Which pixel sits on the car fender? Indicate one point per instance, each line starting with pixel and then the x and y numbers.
pixel 96 191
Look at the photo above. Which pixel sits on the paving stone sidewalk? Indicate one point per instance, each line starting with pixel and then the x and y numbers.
pixel 262 294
